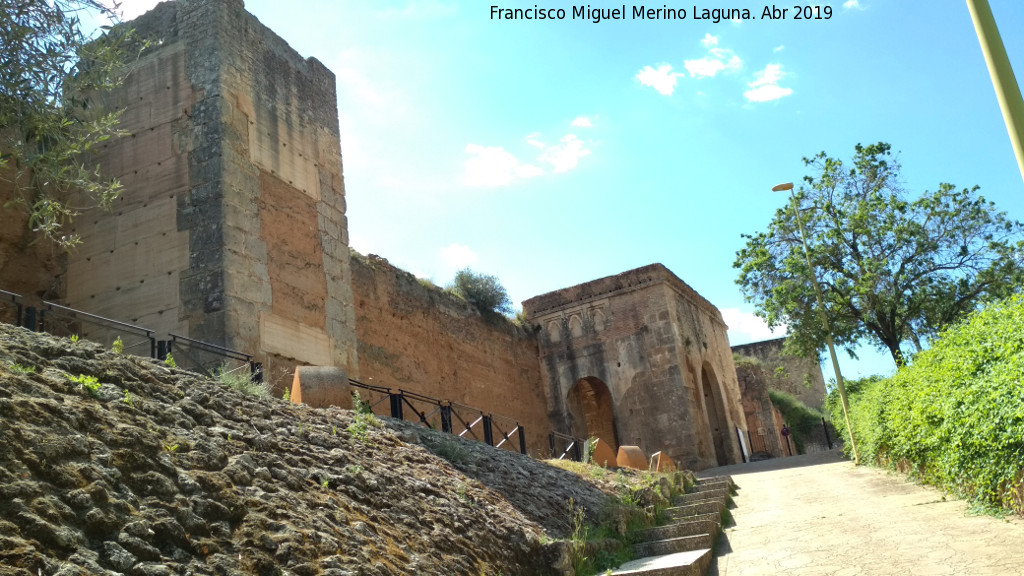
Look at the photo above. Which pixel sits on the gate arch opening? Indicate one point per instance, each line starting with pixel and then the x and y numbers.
pixel 590 405
pixel 715 411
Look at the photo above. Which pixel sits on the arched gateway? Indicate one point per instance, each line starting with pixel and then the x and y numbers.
pixel 590 404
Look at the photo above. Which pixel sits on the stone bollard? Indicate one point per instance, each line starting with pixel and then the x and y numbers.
pixel 321 386
pixel 660 462
pixel 632 457
pixel 603 455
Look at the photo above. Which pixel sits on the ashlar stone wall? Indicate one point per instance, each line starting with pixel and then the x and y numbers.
pixel 415 337
pixel 232 226
pixel 795 375
pixel 641 359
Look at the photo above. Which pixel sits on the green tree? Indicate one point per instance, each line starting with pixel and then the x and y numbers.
pixel 892 270
pixel 484 292
pixel 53 78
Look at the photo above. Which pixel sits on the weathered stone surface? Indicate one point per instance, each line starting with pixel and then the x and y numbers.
pixel 196 478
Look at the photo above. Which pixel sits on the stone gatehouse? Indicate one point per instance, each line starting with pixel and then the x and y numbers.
pixel 640 359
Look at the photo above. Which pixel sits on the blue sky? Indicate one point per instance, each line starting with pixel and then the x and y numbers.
pixel 554 152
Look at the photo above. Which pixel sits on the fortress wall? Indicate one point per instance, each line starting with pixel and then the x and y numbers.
pixel 796 375
pixel 420 339
pixel 286 260
pixel 130 263
pixel 232 226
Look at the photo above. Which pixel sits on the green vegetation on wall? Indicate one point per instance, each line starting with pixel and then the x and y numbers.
pixel 804 422
pixel 955 417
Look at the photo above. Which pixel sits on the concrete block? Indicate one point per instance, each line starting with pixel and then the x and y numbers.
pixel 632 457
pixel 321 386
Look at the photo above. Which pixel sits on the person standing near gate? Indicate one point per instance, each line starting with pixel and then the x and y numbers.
pixel 785 434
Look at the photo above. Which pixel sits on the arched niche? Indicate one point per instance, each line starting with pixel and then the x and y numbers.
pixel 590 404
pixel 714 410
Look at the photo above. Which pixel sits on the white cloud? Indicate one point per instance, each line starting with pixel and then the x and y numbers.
pixel 717 60
pixel 779 48
pixel 583 122
pixel 852 5
pixel 566 155
pixel 493 166
pixel 745 327
pixel 457 256
pixel 662 79
pixel 709 41
pixel 765 86
pixel 532 140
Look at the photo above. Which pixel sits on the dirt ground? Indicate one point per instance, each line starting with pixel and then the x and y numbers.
pixel 819 515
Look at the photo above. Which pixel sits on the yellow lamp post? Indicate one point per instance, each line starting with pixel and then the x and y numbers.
pixel 788 186
pixel 1003 80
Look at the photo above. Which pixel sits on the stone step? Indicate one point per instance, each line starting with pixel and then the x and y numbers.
pixel 695 497
pixel 693 563
pixel 686 510
pixel 679 529
pixel 712 486
pixel 673 545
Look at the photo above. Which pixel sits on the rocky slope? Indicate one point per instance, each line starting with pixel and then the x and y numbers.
pixel 153 470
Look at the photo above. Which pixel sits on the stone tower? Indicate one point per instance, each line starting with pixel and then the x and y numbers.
pixel 231 228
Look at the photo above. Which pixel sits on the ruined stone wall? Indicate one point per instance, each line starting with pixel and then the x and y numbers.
pixel 795 375
pixel 649 339
pixel 761 415
pixel 416 337
pixel 232 226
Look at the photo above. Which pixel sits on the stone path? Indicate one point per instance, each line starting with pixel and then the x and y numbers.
pixel 819 515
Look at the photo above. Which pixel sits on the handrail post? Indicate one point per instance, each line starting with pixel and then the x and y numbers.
pixel 396 405
pixel 522 439
pixel 488 434
pixel 446 418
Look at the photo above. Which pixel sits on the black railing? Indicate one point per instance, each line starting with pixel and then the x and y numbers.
pixel 450 417
pixel 10 308
pixel 70 323
pixel 564 446
pixel 208 359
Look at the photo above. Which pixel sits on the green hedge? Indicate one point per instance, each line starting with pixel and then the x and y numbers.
pixel 955 416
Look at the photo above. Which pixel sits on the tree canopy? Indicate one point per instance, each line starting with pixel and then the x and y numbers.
pixel 483 291
pixel 893 270
pixel 53 76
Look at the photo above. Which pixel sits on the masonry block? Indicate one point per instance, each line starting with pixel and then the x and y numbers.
pixel 604 455
pixel 321 386
pixel 631 457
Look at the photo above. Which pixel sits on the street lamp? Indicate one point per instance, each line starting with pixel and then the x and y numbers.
pixel 788 186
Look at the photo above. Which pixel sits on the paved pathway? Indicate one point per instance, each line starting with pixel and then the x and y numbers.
pixel 820 515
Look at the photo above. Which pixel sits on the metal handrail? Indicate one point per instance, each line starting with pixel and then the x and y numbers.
pixel 52 305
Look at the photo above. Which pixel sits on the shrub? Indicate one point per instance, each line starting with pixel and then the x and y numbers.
pixel 484 292
pixel 955 417
pixel 240 379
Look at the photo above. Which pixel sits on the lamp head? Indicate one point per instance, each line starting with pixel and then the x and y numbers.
pixel 782 187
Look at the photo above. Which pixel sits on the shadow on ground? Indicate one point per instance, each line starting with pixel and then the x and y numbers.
pixel 828 457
